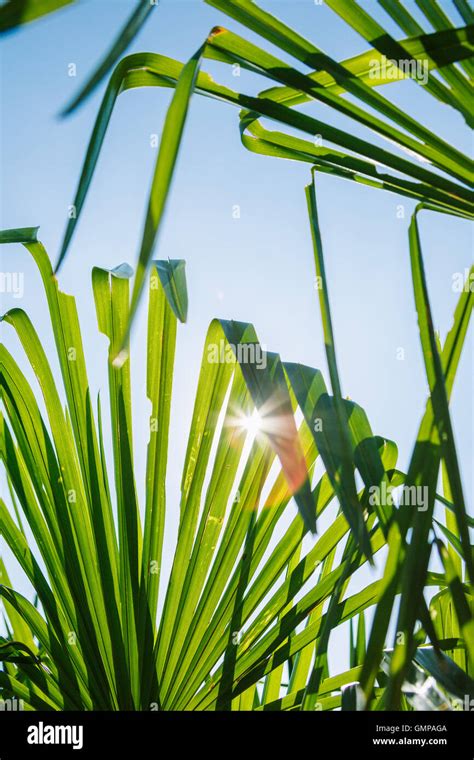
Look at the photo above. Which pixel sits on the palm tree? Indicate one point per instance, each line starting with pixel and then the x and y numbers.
pixel 246 615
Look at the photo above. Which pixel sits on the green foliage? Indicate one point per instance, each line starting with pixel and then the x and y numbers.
pixel 244 617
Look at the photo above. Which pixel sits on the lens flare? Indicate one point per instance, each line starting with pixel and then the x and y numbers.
pixel 252 424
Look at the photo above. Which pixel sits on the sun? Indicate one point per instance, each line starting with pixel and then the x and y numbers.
pixel 252 423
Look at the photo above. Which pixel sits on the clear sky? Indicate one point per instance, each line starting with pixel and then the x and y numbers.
pixel 258 268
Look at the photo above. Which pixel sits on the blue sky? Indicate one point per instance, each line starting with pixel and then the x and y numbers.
pixel 258 268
